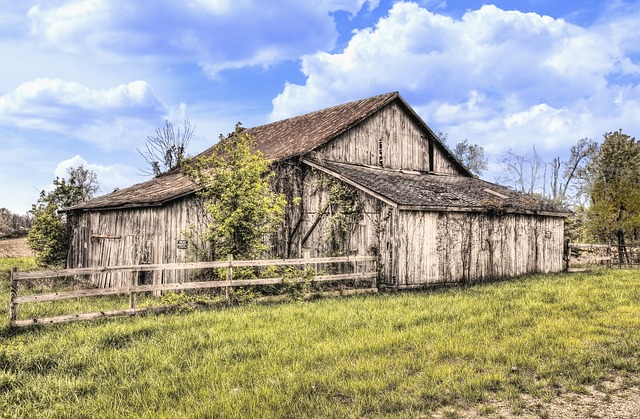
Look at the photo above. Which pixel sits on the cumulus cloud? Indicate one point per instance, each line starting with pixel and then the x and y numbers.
pixel 70 107
pixel 109 176
pixel 218 34
pixel 499 78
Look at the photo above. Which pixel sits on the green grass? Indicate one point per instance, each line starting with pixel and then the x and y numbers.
pixel 391 355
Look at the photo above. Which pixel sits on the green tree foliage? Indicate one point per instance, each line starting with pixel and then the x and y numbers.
pixel 13 225
pixel 472 156
pixel 49 235
pixel 614 213
pixel 234 183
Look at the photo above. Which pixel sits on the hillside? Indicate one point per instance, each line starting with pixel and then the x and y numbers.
pixel 14 248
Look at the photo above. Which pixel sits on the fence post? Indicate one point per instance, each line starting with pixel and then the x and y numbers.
pixel 376 265
pixel 568 252
pixel 133 295
pixel 229 277
pixel 306 255
pixel 13 306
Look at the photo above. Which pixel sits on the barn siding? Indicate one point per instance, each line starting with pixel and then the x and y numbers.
pixel 136 236
pixel 311 217
pixel 440 247
pixel 393 133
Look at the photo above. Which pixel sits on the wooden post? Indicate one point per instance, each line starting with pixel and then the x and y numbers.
pixel 568 250
pixel 229 277
pixel 307 255
pixel 376 266
pixel 13 306
pixel 133 295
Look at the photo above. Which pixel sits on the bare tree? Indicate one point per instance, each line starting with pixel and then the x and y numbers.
pixel 521 172
pixel 573 176
pixel 166 149
pixel 575 169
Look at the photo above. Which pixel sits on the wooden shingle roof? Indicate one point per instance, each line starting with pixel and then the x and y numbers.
pixel 277 141
pixel 300 134
pixel 409 190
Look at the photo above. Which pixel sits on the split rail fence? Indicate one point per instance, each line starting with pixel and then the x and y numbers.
pixel 134 289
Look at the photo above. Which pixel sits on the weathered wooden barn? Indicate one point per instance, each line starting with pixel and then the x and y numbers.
pixel 372 178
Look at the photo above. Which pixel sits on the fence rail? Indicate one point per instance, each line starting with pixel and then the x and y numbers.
pixel 135 288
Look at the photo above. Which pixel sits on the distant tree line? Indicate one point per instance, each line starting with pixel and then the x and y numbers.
pixel 599 182
pixel 14 225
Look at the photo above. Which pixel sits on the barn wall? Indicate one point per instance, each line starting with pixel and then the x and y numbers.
pixel 312 219
pixel 389 138
pixel 458 247
pixel 136 236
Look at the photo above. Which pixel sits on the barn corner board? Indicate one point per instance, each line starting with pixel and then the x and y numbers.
pixel 403 196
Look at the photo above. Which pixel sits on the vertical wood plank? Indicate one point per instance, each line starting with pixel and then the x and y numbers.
pixel 13 306
pixel 132 295
pixel 229 277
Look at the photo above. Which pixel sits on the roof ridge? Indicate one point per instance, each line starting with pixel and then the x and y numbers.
pixel 391 96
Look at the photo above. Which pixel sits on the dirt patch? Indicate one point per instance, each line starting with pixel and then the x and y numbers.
pixel 619 399
pixel 14 248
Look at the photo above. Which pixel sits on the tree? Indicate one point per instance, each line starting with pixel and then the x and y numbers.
pixel 521 171
pixel 243 210
pixel 614 213
pixel 166 149
pixel 49 235
pixel 472 156
pixel 570 176
pixel 13 225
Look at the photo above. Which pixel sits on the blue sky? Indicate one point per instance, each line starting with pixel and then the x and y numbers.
pixel 85 81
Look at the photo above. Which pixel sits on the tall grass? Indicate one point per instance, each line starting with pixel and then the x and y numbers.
pixel 391 355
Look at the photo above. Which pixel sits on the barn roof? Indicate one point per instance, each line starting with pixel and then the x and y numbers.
pixel 277 141
pixel 411 190
pixel 154 192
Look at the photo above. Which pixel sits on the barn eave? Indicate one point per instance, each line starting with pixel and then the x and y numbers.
pixel 416 191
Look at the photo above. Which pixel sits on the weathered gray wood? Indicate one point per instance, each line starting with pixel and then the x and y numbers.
pixel 437 247
pixel 65 295
pixel 89 316
pixel 187 266
pixel 229 276
pixel 132 294
pixel 390 138
pixel 131 312
pixel 350 182
pixel 319 215
pixel 13 304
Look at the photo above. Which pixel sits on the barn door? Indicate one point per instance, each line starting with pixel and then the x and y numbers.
pixel 145 257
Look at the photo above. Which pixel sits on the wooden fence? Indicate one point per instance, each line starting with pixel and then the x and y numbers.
pixel 581 256
pixel 134 289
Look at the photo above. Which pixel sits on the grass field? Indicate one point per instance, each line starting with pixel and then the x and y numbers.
pixel 392 355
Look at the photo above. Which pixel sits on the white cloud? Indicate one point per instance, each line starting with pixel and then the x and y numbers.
pixel 498 78
pixel 72 108
pixel 109 176
pixel 217 34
